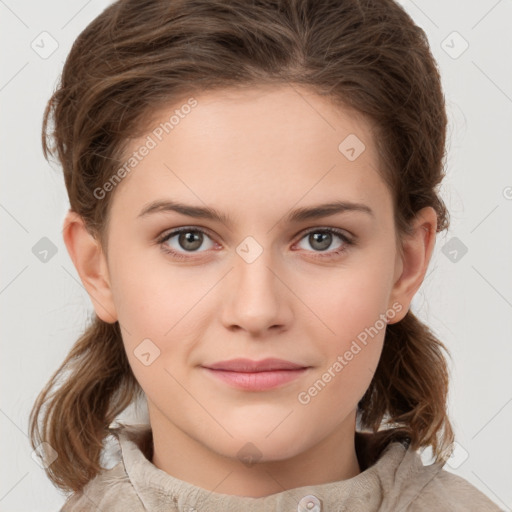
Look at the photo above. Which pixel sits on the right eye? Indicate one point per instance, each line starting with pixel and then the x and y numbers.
pixel 187 240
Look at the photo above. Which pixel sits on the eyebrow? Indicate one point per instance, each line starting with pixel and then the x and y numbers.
pixel 297 215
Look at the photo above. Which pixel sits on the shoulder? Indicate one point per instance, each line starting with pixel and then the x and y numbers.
pixel 114 488
pixel 450 492
pixel 109 490
pixel 410 485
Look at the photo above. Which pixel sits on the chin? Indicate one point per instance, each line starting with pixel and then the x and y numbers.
pixel 265 445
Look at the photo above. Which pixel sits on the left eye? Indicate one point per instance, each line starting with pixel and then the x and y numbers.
pixel 322 239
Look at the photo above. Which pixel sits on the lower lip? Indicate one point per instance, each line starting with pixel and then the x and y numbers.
pixel 257 381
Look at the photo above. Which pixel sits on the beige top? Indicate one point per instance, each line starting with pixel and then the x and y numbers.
pixel 396 481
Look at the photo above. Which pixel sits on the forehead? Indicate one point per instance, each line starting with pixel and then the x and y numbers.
pixel 264 147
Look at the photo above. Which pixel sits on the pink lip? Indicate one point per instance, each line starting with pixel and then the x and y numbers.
pixel 256 375
pixel 248 365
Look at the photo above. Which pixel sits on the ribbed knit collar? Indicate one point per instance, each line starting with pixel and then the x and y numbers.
pixel 366 491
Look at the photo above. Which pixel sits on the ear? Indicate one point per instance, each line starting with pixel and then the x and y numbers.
pixel 90 262
pixel 411 267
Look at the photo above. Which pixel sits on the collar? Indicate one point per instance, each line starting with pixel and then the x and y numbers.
pixel 156 488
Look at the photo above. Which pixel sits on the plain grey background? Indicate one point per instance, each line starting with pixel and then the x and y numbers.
pixel 466 297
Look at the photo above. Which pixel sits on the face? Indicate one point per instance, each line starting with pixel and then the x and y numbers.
pixel 266 279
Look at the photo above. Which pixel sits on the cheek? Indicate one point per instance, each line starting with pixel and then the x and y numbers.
pixel 156 308
pixel 349 358
pixel 148 296
pixel 349 327
pixel 344 301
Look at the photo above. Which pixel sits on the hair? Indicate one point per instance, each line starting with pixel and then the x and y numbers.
pixel 139 56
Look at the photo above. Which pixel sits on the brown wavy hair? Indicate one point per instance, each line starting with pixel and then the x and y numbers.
pixel 138 56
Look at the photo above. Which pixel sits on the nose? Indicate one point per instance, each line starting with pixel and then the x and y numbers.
pixel 257 297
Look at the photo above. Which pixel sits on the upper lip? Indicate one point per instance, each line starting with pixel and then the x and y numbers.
pixel 248 365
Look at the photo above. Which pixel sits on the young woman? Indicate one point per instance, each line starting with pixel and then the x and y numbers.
pixel 253 206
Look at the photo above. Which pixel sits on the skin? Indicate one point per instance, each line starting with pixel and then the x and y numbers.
pixel 255 156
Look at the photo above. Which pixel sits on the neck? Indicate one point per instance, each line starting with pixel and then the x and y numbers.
pixel 183 457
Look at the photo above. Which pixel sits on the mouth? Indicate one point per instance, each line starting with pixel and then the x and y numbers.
pixel 256 375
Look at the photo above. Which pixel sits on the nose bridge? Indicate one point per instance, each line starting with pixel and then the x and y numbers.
pixel 256 292
pixel 252 268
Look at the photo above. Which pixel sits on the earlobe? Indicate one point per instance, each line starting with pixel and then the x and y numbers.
pixel 90 262
pixel 412 266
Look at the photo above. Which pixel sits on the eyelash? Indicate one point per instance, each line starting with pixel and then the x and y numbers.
pixel 347 242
